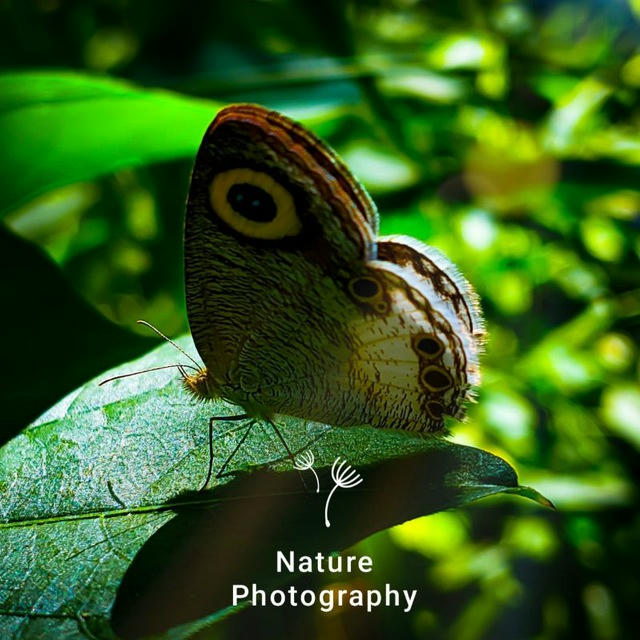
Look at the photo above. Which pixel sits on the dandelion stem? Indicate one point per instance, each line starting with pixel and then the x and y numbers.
pixel 317 479
pixel 326 506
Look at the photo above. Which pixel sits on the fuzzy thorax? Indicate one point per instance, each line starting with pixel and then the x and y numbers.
pixel 197 384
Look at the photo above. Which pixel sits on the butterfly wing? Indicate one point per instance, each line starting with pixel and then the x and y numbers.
pixel 311 221
pixel 425 347
pixel 295 308
pixel 397 357
pixel 439 278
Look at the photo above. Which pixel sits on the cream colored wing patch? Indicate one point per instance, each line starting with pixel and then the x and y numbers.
pixel 408 360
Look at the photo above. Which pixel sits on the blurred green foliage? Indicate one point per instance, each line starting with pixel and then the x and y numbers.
pixel 506 134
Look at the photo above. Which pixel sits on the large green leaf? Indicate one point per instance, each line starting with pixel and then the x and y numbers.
pixel 86 486
pixel 58 128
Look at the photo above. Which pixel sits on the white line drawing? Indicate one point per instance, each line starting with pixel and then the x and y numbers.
pixel 344 477
pixel 305 461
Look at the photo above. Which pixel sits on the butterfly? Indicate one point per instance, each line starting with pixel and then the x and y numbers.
pixel 297 307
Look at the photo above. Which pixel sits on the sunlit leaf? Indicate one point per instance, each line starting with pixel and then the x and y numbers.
pixel 93 126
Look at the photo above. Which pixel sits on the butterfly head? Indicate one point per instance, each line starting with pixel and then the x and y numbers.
pixel 198 384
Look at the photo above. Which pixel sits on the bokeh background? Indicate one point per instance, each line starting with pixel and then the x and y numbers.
pixel 505 133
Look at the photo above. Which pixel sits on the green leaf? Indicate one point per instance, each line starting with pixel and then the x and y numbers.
pixel 48 322
pixel 59 128
pixel 114 469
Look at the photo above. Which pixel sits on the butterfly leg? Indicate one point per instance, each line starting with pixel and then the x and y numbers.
pixel 221 473
pixel 212 420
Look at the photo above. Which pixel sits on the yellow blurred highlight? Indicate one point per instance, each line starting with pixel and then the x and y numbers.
pixel 530 536
pixel 493 83
pixel 432 536
pixel 601 238
pixel 615 352
pixel 623 205
pixel 131 259
pixel 516 242
pixel 630 72
pixel 109 48
pixel 397 27
pixel 510 292
pixel 141 215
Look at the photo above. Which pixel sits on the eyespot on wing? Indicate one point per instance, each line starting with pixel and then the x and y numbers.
pixel 254 204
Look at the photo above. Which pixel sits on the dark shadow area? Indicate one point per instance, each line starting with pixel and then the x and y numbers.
pixel 187 569
pixel 44 327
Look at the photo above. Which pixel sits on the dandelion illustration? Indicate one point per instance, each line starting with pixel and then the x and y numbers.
pixel 305 461
pixel 344 477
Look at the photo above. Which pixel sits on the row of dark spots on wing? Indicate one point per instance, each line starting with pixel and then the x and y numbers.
pixel 439 323
pixel 431 374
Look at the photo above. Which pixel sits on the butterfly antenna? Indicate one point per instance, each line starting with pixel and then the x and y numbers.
pixel 170 341
pixel 180 368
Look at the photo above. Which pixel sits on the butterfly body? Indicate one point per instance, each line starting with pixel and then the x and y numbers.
pixel 297 307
